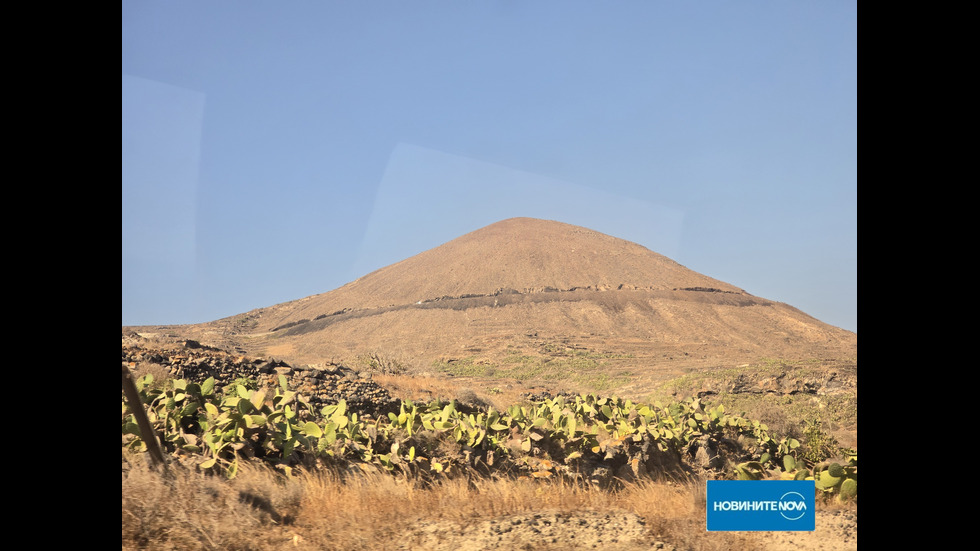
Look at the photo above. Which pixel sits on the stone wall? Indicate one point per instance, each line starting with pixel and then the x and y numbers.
pixel 319 385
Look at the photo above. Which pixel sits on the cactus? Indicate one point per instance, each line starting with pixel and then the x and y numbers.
pixel 848 488
pixel 836 470
pixel 789 463
pixel 279 427
pixel 833 478
pixel 751 470
pixel 825 481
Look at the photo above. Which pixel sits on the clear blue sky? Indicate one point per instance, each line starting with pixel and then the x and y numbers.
pixel 276 150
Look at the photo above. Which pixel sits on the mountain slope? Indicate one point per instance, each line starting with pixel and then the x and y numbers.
pixel 526 288
pixel 521 254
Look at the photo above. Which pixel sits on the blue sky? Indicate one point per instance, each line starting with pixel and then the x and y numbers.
pixel 272 151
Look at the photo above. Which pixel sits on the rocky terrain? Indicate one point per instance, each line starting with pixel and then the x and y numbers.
pixel 319 385
pixel 836 530
pixel 538 530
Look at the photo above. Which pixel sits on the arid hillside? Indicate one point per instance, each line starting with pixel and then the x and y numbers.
pixel 522 291
pixel 513 313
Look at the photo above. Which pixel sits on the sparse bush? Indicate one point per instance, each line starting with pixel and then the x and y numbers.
pixel 160 373
pixel 384 364
pixel 247 383
pixel 465 367
pixel 817 444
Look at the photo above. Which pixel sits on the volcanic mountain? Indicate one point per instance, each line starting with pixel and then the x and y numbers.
pixel 522 288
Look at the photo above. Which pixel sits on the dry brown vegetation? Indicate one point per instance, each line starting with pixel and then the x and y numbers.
pixel 497 393
pixel 261 510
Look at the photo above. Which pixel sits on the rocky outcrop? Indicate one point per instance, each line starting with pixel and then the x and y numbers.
pixel 319 385
pixel 507 293
pixel 789 382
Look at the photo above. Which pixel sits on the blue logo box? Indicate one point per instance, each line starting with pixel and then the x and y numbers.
pixel 761 505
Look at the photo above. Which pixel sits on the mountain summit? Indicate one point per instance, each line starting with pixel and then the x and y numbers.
pixel 526 255
pixel 524 286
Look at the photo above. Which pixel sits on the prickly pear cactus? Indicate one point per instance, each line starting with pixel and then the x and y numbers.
pixel 836 479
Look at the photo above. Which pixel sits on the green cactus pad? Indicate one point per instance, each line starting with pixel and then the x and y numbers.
pixel 826 481
pixel 789 463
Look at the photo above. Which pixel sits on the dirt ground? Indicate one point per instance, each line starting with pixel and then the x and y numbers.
pixel 836 530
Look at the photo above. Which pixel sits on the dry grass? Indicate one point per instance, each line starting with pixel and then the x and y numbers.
pixel 386 507
pixel 423 388
pixel 324 510
pixel 185 510
pixel 418 388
